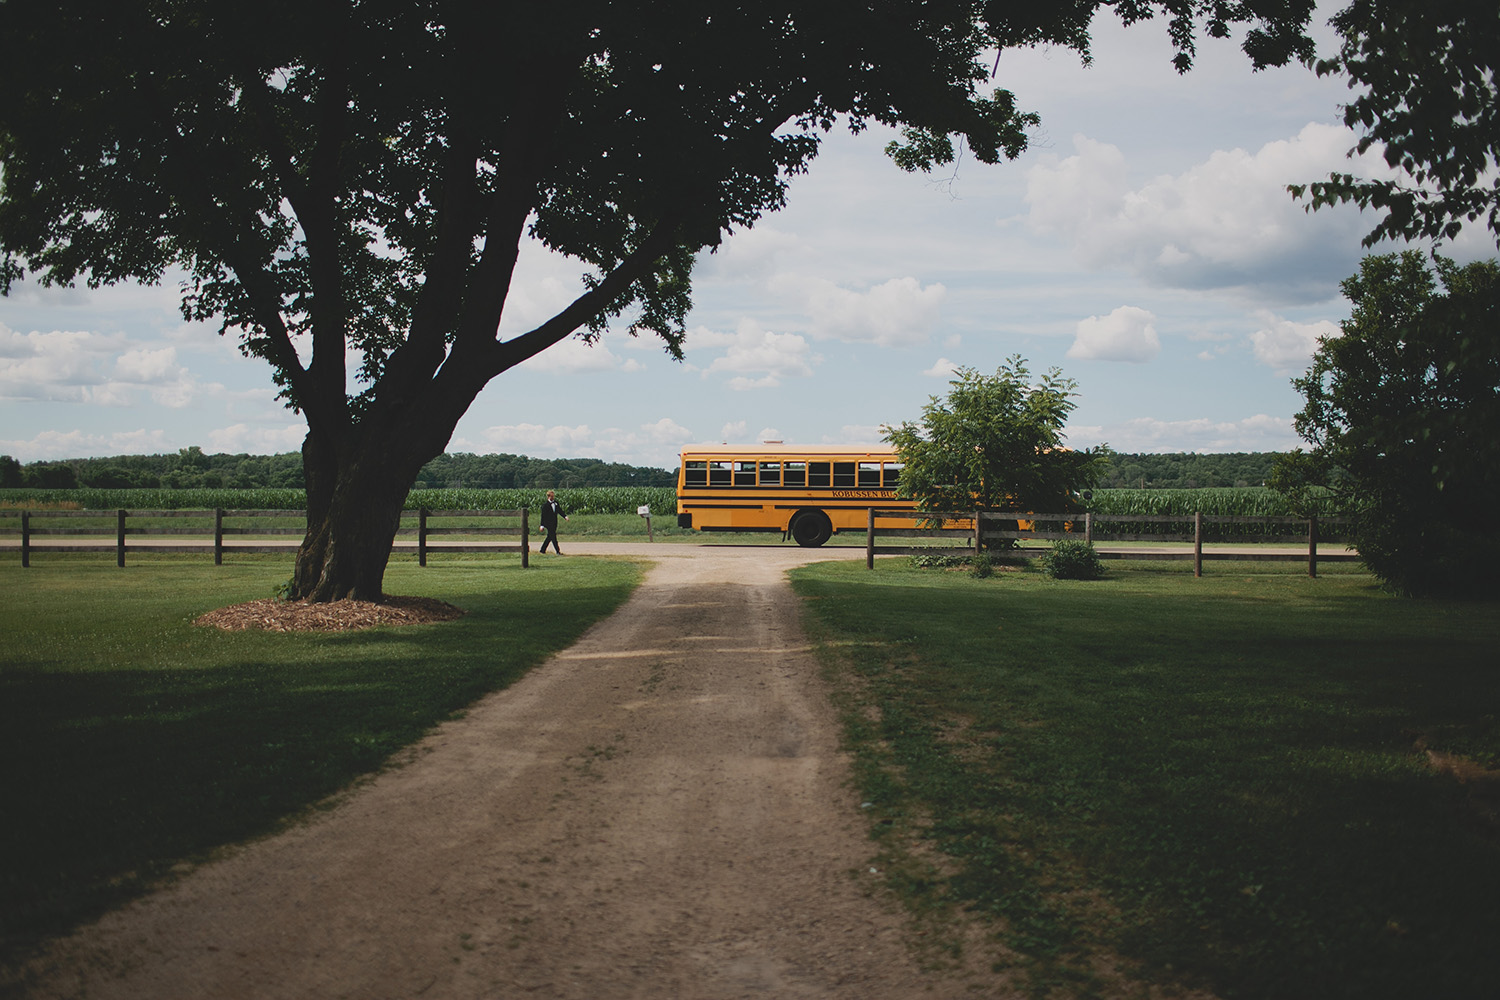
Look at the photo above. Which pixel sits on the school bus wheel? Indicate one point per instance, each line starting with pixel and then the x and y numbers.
pixel 811 528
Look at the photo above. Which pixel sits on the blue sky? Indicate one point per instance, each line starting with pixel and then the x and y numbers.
pixel 1145 245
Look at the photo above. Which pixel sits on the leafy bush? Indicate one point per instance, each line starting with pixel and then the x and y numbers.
pixel 1073 560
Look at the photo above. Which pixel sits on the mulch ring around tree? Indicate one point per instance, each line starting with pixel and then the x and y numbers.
pixel 336 616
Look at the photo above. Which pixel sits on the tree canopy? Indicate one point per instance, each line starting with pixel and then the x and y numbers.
pixel 346 183
pixel 1406 404
pixel 995 442
pixel 1427 75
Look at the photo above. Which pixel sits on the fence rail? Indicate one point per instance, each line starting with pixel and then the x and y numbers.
pixel 1089 527
pixel 220 529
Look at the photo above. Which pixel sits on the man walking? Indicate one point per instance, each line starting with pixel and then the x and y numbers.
pixel 551 510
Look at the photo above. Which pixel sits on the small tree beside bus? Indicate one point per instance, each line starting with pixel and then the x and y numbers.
pixel 995 443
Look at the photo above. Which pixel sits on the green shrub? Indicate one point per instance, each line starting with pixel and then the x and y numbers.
pixel 982 566
pixel 1073 560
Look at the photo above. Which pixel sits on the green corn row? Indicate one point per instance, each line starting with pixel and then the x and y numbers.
pixel 584 500
pixel 1253 501
pixel 191 499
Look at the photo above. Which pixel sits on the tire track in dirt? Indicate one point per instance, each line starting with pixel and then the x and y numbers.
pixel 659 811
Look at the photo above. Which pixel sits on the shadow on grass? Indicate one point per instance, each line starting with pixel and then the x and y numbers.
pixel 1219 779
pixel 115 774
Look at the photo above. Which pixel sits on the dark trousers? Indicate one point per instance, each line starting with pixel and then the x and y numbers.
pixel 551 539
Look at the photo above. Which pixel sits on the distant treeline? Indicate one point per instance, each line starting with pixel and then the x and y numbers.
pixel 1187 470
pixel 190 468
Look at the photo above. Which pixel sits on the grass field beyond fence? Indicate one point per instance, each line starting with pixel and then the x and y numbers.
pixel 1224 780
pixel 131 738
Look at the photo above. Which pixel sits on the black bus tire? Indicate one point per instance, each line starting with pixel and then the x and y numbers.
pixel 811 528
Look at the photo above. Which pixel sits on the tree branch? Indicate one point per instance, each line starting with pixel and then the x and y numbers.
pixel 661 239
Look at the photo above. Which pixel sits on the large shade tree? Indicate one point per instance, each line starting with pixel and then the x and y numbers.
pixel 346 183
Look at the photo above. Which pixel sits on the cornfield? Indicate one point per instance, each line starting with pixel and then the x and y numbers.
pixel 1254 501
pixel 1243 502
pixel 585 500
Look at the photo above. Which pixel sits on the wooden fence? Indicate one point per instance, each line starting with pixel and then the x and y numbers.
pixel 220 531
pixel 1092 528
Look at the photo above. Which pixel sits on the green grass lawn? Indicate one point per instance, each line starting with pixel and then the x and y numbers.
pixel 1221 779
pixel 131 739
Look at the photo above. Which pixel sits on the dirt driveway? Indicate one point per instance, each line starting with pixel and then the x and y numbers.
pixel 660 811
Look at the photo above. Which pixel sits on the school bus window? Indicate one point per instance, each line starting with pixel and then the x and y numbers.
pixel 770 473
pixel 744 473
pixel 892 475
pixel 843 475
pixel 817 474
pixel 718 474
pixel 869 475
pixel 794 474
pixel 695 474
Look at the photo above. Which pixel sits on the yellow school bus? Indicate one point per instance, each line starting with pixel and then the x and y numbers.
pixel 809 492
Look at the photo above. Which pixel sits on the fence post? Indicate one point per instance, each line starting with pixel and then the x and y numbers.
pixel 120 538
pixel 421 536
pixel 978 532
pixel 1088 527
pixel 25 538
pixel 1198 543
pixel 870 542
pixel 525 539
pixel 218 536
pixel 1312 546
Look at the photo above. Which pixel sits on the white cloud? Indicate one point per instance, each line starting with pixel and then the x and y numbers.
pixel 169 383
pixel 85 367
pixel 1225 223
pixel 1147 434
pixel 750 254
pixel 52 445
pixel 741 383
pixel 666 431
pixel 1127 334
pixel 854 434
pixel 57 365
pixel 252 440
pixel 942 368
pixel 575 356
pixel 1287 346
pixel 733 431
pixel 901 311
pixel 650 444
pixel 557 440
pixel 756 357
pixel 146 366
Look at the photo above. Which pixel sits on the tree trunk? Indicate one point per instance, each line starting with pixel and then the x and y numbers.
pixel 354 503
